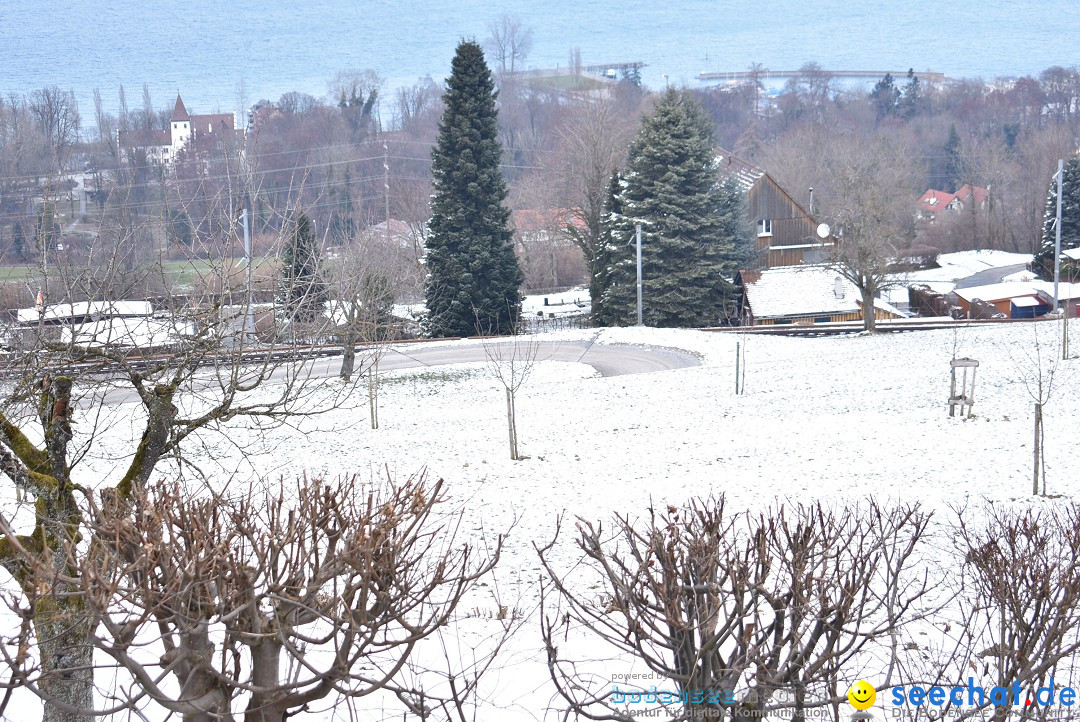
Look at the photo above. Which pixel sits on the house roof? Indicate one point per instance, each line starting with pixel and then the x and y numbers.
pixel 143 138
pixel 85 309
pixel 933 201
pixel 179 111
pixel 531 219
pixel 802 291
pixel 1073 253
pixel 966 191
pixel 213 121
pixel 742 172
pixel 996 291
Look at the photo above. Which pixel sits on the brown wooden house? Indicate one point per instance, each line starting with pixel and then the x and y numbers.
pixel 786 231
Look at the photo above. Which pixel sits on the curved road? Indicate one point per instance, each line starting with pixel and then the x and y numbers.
pixel 609 359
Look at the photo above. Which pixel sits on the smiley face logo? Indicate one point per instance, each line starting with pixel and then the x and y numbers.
pixel 862 695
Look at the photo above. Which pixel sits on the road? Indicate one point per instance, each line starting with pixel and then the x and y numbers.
pixel 608 359
pixel 990 275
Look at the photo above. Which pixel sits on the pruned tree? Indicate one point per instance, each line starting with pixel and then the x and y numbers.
pixel 80 390
pixel 268 603
pixel 511 363
pixel 1020 608
pixel 785 600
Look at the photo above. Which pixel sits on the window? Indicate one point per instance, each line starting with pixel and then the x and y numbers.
pixel 764 227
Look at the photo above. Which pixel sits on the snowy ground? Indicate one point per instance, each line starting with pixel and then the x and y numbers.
pixel 836 418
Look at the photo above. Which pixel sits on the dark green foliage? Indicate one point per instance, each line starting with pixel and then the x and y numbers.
pixel 179 228
pixel 600 264
pixel 688 232
pixel 473 274
pixel 911 99
pixel 885 96
pixel 1070 218
pixel 18 241
pixel 303 290
pixel 954 161
pixel 735 224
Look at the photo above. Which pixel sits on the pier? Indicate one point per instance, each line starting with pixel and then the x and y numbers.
pixel 739 76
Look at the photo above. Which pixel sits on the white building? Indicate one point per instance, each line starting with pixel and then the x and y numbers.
pixel 163 146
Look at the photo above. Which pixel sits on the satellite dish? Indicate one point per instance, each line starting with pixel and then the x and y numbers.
pixel 823 230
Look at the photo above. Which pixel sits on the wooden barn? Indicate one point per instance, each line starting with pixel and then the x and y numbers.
pixel 786 231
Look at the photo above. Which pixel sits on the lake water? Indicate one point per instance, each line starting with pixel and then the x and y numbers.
pixel 204 49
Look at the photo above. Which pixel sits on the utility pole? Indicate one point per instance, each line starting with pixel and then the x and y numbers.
pixel 249 314
pixel 386 187
pixel 1057 233
pixel 639 321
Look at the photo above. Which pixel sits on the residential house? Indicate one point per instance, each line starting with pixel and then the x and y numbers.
pixel 802 295
pixel 163 146
pixel 1013 299
pixel 933 202
pixel 787 232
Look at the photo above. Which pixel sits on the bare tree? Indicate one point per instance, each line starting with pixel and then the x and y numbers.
pixel 509 43
pixel 511 363
pixel 867 197
pixel 272 601
pixel 1039 365
pixel 778 602
pixel 57 115
pixel 593 143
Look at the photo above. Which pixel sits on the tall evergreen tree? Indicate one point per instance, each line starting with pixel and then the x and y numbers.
pixel 671 188
pixel 473 275
pixel 303 289
pixel 1070 218
pixel 954 161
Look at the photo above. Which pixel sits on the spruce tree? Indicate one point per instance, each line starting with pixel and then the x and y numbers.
pixel 671 188
pixel 303 289
pixel 954 161
pixel 473 275
pixel 1070 218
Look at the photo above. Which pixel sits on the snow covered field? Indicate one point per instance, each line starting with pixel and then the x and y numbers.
pixel 837 418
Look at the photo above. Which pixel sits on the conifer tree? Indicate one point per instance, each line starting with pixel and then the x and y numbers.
pixel 671 188
pixel 1070 218
pixel 303 289
pixel 954 161
pixel 473 275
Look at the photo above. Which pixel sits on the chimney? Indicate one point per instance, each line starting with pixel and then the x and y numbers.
pixel 811 209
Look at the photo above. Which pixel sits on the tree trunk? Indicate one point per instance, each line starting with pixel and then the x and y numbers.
pixel 348 358
pixel 510 422
pixel 67 658
pixel 264 705
pixel 1038 449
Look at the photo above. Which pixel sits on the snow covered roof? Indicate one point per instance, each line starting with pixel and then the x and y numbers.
pixel 744 173
pixel 996 291
pixel 1073 253
pixel 140 332
pixel 85 309
pixel 801 290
